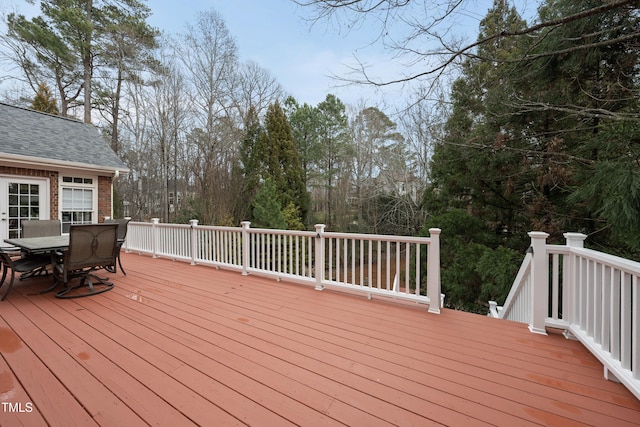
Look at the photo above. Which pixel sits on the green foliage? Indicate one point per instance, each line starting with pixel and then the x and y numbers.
pixel 476 266
pixel 267 211
pixel 250 160
pixel 305 123
pixel 333 131
pixel 72 39
pixel 291 214
pixel 497 269
pixel 191 209
pixel 537 140
pixel 460 281
pixel 280 160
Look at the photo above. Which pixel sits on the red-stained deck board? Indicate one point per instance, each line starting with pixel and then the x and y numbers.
pixel 149 344
pixel 295 371
pixel 47 391
pixel 505 406
pixel 114 376
pixel 308 357
pixel 208 317
pixel 559 407
pixel 252 377
pixel 175 344
pixel 266 333
pixel 12 392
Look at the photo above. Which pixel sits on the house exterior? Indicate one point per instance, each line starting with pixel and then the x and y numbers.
pixel 53 167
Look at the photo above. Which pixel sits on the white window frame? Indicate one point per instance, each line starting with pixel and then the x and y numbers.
pixel 45 199
pixel 78 183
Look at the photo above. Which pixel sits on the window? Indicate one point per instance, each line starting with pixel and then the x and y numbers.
pixel 77 201
pixel 77 180
pixel 24 204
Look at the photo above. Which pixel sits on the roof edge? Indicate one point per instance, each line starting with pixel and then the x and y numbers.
pixel 57 116
pixel 32 162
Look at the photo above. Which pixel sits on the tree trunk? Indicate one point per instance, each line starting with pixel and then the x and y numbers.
pixel 87 65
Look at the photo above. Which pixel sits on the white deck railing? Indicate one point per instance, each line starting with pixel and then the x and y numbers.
pixel 593 296
pixel 388 266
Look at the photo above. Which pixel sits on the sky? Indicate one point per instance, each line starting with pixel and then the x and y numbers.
pixel 277 35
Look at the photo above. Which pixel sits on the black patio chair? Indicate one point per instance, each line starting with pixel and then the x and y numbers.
pixel 92 247
pixel 123 225
pixel 39 228
pixel 12 260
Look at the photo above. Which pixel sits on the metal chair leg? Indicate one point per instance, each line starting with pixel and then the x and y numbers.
pixel 4 275
pixel 120 264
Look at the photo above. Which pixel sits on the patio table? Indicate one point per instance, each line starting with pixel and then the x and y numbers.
pixel 40 246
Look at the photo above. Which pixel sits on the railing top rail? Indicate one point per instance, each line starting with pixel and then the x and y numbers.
pixel 219 228
pixel 620 263
pixel 378 237
pixel 170 225
pixel 558 249
pixel 167 225
pixel 281 232
pixel 140 224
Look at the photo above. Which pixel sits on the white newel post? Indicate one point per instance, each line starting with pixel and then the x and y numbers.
pixel 433 271
pixel 154 236
pixel 539 282
pixel 245 247
pixel 319 257
pixel 570 283
pixel 193 223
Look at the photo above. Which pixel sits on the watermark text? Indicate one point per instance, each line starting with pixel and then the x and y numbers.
pixel 17 407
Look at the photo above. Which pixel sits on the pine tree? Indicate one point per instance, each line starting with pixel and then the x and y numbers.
pixel 281 162
pixel 335 150
pixel 267 211
pixel 250 160
pixel 44 100
pixel 541 136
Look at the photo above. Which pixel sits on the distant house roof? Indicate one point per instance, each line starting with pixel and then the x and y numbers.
pixel 28 136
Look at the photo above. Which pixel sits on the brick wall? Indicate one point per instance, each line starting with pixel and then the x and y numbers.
pixel 104 197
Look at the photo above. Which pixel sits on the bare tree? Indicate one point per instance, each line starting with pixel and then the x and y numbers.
pixel 421 34
pixel 374 135
pixel 422 126
pixel 168 130
pixel 255 87
pixel 208 54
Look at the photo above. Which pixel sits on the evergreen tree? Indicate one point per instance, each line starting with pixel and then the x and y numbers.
pixel 379 160
pixel 267 210
pixel 250 159
pixel 335 151
pixel 63 44
pixel 281 162
pixel 44 101
pixel 305 122
pixel 540 137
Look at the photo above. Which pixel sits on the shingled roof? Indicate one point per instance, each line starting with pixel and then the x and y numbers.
pixel 32 136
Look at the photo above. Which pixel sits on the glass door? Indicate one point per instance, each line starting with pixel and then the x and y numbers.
pixel 21 199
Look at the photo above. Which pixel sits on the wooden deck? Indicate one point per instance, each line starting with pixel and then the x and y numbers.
pixel 179 345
